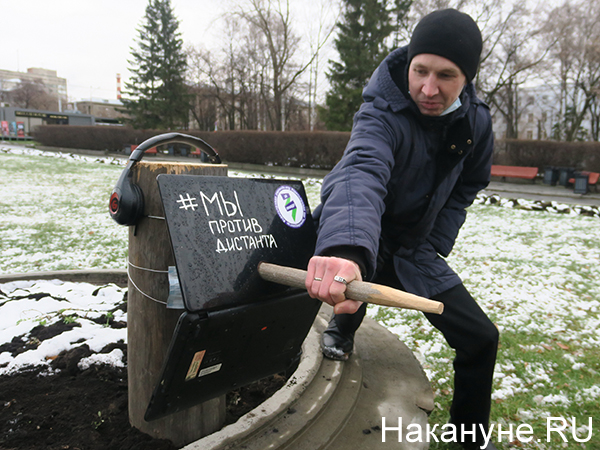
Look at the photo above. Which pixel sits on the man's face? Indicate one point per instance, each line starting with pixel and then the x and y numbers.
pixel 434 83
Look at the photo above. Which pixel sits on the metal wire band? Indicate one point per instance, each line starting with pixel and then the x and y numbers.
pixel 146 269
pixel 142 292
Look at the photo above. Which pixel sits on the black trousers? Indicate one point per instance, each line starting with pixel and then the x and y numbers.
pixel 474 338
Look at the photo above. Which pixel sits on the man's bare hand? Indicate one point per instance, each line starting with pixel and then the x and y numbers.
pixel 320 282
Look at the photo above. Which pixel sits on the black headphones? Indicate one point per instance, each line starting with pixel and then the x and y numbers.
pixel 126 204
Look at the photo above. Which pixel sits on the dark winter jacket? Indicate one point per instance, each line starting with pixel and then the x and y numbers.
pixel 398 195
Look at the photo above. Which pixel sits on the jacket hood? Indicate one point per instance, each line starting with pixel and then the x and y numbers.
pixel 382 85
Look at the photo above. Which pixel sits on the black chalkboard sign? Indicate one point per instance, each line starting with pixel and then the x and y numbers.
pixel 222 227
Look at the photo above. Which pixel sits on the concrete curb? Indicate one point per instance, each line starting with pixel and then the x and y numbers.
pixel 340 405
pixel 307 413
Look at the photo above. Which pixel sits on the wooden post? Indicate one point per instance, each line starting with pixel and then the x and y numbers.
pixel 150 324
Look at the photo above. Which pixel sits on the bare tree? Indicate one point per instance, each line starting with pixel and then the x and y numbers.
pixel 203 106
pixel 512 57
pixel 254 76
pixel 574 28
pixel 595 117
pixel 200 77
pixel 33 94
pixel 318 34
pixel 219 73
pixel 272 19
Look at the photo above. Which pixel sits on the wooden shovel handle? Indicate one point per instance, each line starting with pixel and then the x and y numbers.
pixel 356 290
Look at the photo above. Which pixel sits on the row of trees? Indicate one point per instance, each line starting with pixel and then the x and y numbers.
pixel 252 82
pixel 268 76
pixel 556 49
pixel 255 79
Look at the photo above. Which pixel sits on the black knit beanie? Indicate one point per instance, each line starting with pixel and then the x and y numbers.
pixel 451 34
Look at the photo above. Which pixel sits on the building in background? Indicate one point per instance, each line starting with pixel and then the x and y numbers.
pixel 539 113
pixel 104 111
pixel 20 122
pixel 39 97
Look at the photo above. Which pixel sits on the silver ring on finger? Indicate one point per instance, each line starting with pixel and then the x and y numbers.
pixel 318 279
pixel 340 280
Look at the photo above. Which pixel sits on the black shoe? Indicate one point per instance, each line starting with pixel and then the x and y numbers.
pixel 335 344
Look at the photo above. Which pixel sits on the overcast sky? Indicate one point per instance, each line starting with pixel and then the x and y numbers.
pixel 88 42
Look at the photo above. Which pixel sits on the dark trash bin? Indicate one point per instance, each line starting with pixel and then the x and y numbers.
pixel 551 175
pixel 581 182
pixel 565 174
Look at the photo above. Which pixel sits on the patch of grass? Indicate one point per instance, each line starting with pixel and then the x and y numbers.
pixel 57 215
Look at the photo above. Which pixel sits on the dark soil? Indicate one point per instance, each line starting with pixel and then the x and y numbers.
pixel 85 410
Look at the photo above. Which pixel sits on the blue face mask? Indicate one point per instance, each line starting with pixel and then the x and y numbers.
pixel 453 107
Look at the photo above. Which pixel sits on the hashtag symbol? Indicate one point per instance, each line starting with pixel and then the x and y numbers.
pixel 187 202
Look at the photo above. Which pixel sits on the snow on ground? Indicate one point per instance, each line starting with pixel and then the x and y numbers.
pixel 25 305
pixel 53 202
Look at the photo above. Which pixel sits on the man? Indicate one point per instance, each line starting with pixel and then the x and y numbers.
pixel 419 151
